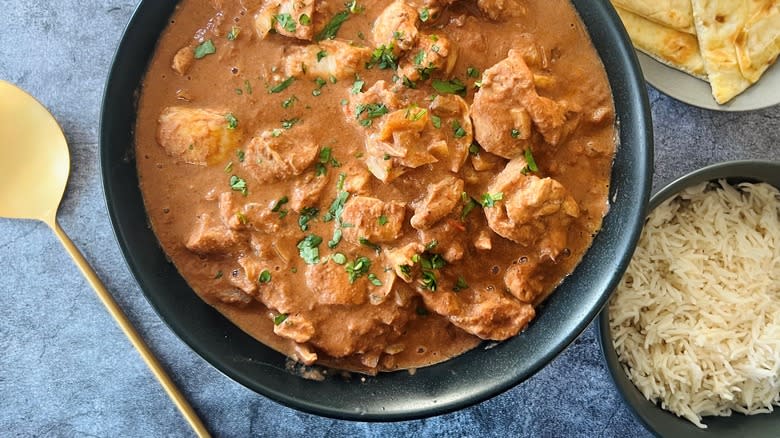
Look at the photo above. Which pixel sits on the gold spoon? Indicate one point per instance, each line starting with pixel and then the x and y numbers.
pixel 34 168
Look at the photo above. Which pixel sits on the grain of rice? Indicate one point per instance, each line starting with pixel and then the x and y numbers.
pixel 695 320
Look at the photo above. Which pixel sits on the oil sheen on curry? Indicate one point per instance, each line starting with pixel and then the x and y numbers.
pixel 377 185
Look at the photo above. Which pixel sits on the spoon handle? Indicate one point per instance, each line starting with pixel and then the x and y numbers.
pixel 113 308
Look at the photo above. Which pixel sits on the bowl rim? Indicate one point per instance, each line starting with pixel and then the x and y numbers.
pixel 434 390
pixel 733 171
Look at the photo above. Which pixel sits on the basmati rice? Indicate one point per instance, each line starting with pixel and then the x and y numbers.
pixel 695 320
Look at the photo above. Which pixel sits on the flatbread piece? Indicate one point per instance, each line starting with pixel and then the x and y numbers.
pixel 758 45
pixel 676 14
pixel 672 47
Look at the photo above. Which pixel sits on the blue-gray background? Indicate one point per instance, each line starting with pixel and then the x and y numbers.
pixel 67 370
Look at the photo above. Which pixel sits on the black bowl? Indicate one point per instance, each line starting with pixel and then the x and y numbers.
pixel 659 421
pixel 462 381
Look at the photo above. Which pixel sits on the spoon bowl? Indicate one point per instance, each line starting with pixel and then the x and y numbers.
pixel 34 159
pixel 34 169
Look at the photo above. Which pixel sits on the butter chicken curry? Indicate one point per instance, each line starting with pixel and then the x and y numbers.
pixel 375 185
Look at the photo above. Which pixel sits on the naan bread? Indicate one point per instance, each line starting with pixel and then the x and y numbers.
pixel 718 23
pixel 758 45
pixel 676 14
pixel 672 47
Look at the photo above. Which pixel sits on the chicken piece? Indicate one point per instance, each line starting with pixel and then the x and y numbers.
pixel 507 106
pixel 534 211
pixel 450 238
pixel 483 241
pixel 307 191
pixel 400 139
pixel 211 236
pixel 487 314
pixel 295 327
pixel 247 282
pixel 432 56
pixel 525 281
pixel 341 60
pixel 330 284
pixel 456 128
pixel 400 259
pixel 247 216
pixel 182 60
pixel 502 9
pixel 396 27
pixel 485 161
pixel 372 219
pixel 358 179
pixel 270 158
pixel 440 200
pixel 292 18
pixel 197 135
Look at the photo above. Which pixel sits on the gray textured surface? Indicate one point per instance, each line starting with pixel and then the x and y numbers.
pixel 66 370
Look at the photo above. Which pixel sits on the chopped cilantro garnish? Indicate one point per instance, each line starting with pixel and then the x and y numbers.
pixel 429 281
pixel 307 214
pixel 382 220
pixel 242 218
pixel 337 235
pixel 281 86
pixel 308 249
pixel 419 58
pixel 321 54
pixel 205 48
pixel 289 123
pixel 247 86
pixel 529 158
pixel 458 130
pixel 474 149
pixel 358 268
pixel 337 207
pixel 241 155
pixel 430 246
pixel 304 19
pixel 238 185
pixel 233 34
pixel 265 277
pixel 372 111
pixel 286 21
pixel 280 318
pixel 468 204
pixel 472 72
pixel 357 87
pixel 218 275
pixel 375 280
pixel 425 15
pixel 331 29
pixel 489 200
pixel 514 133
pixel 277 208
pixel 436 120
pixel 460 284
pixel 353 7
pixel 454 86
pixel 289 102
pixel 339 258
pixel 232 121
pixel 383 57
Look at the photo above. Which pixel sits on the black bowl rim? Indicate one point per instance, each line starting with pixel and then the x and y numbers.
pixel 732 171
pixel 635 132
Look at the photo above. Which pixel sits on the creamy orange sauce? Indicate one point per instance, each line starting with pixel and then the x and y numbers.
pixel 385 328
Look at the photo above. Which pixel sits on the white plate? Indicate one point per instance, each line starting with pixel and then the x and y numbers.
pixel 693 91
